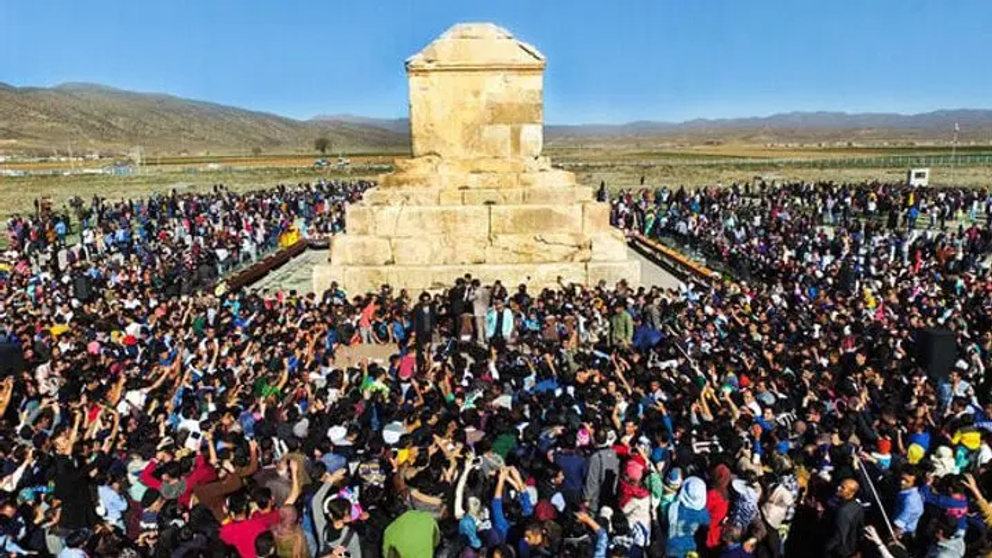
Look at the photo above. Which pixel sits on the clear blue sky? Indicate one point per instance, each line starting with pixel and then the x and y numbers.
pixel 609 61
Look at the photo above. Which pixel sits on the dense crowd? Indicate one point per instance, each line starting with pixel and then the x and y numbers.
pixel 807 234
pixel 184 240
pixel 779 411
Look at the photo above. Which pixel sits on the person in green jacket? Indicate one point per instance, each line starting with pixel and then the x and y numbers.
pixel 621 326
pixel 411 535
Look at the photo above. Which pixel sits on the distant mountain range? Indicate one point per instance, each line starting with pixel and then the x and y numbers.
pixel 96 117
pixel 973 124
pixel 398 125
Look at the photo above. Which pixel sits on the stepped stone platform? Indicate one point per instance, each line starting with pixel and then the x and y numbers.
pixel 477 197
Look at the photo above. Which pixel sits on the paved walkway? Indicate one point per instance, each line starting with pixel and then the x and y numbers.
pixel 653 274
pixel 296 274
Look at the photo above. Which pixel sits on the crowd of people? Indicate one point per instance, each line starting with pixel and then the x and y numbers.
pixel 186 240
pixel 779 231
pixel 777 411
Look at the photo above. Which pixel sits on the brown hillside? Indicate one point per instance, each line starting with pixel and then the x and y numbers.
pixel 92 117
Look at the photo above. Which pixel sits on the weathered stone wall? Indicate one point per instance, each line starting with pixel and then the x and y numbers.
pixel 477 92
pixel 471 114
pixel 483 219
pixel 472 234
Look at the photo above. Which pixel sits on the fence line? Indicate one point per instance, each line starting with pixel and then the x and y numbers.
pixel 883 161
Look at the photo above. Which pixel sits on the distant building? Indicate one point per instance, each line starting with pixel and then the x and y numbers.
pixel 120 169
pixel 918 177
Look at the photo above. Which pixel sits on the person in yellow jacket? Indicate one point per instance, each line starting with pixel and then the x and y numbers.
pixel 969 437
pixel 870 301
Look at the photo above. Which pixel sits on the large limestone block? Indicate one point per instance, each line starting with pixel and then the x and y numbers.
pixel 353 249
pixel 531 138
pixel 614 272
pixel 536 219
pixel 402 196
pixel 549 178
pixel 482 163
pixel 609 246
pixel 515 111
pixel 439 250
pixel 450 196
pixel 362 279
pixel 595 217
pixel 491 180
pixel 509 196
pixel 359 219
pixel 448 180
pixel 538 248
pixel 556 196
pixel 425 165
pixel 488 176
pixel 417 278
pixel 491 164
pixel 417 221
pixel 324 275
pixel 516 196
pixel 494 139
pixel 414 181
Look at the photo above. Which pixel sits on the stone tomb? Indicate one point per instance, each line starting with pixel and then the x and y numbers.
pixel 477 197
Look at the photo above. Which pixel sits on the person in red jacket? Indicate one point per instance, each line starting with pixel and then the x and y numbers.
pixel 718 504
pixel 241 530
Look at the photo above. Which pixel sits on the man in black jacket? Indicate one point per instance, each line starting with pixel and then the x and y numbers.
pixel 458 302
pixel 424 322
pixel 849 521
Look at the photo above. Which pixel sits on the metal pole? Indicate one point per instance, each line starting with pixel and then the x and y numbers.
pixel 881 508
pixel 954 144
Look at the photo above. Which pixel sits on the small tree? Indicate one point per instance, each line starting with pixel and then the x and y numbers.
pixel 322 144
pixel 256 151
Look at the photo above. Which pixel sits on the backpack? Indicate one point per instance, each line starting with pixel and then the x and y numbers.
pixel 330 545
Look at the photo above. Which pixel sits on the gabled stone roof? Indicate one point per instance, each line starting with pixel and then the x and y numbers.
pixel 468 46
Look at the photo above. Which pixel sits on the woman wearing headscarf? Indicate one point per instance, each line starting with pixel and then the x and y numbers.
pixel 685 516
pixel 718 504
pixel 635 502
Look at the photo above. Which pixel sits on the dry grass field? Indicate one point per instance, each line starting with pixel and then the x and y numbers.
pixel 694 176
pixel 185 164
pixel 619 165
pixel 623 166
